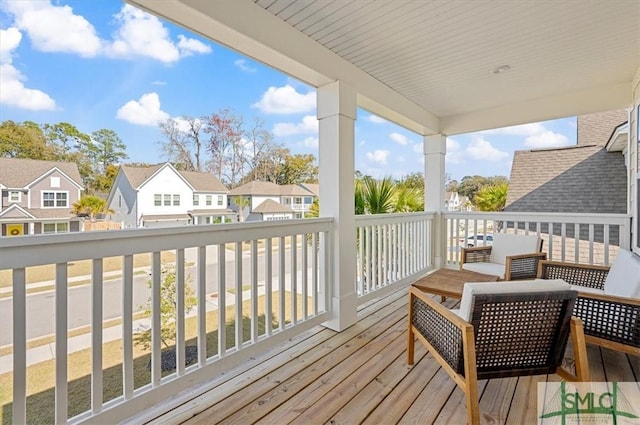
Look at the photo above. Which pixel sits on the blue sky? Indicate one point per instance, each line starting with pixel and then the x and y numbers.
pixel 103 64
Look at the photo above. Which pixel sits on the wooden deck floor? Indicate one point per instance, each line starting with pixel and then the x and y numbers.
pixel 360 376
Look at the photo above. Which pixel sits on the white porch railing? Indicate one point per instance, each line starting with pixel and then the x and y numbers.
pixel 579 238
pixel 393 249
pixel 268 277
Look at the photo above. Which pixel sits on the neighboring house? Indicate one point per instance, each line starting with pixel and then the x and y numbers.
pixel 456 202
pixel 37 197
pixel 589 177
pixel 161 196
pixel 284 202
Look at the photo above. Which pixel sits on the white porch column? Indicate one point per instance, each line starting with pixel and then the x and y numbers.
pixel 435 149
pixel 336 115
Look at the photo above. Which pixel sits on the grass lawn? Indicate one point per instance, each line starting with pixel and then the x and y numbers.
pixel 80 268
pixel 41 376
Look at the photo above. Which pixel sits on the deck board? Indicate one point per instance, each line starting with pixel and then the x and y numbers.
pixel 360 376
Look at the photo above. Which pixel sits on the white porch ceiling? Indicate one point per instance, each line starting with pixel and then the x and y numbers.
pixel 429 64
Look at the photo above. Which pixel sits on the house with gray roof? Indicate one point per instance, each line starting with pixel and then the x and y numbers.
pixel 37 196
pixel 162 196
pixel 590 177
pixel 269 201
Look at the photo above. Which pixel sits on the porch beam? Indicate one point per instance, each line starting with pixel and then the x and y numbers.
pixel 435 149
pixel 336 115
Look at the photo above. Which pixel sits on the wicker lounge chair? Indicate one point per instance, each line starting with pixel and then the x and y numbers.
pixel 609 321
pixel 511 257
pixel 512 330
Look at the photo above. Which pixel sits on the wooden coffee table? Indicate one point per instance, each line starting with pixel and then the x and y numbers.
pixel 449 283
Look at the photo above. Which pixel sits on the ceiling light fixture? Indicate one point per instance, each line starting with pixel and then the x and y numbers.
pixel 501 69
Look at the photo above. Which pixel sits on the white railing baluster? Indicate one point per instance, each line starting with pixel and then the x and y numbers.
pixel 605 236
pixel 294 280
pixel 281 284
pixel 316 272
pixel 254 291
pixel 576 242
pixel 239 297
pixel 61 343
pixel 201 293
pixel 222 300
pixel 591 237
pixel 180 313
pixel 156 318
pixel 563 241
pixel 305 278
pixel 360 261
pixel 127 326
pixel 96 336
pixel 268 287
pixel 19 346
pixel 368 272
pixel 379 278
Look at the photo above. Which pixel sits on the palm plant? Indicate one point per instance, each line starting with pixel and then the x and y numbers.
pixel 492 198
pixel 91 206
pixel 375 196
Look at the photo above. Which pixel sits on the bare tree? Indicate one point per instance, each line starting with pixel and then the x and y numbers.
pixel 182 144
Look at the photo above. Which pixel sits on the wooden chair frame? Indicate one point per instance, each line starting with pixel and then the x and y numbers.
pixel 457 353
pixel 517 267
pixel 609 321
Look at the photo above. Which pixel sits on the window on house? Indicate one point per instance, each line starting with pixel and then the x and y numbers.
pixel 176 200
pixel 55 181
pixel 196 200
pixel 297 200
pixel 15 196
pixel 308 200
pixel 220 199
pixel 119 201
pixel 167 200
pixel 287 201
pixel 55 228
pixel 209 200
pixel 55 200
pixel 157 200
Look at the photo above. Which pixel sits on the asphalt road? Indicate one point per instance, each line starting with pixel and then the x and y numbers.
pixel 41 305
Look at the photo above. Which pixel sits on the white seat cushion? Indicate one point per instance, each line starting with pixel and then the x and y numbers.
pixel 505 245
pixel 587 290
pixel 509 287
pixel 623 280
pixel 492 269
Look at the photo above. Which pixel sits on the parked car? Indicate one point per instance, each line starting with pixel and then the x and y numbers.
pixel 476 240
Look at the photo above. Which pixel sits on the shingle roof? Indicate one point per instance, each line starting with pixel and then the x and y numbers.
pixel 294 190
pixel 271 206
pixel 204 182
pixel 201 182
pixel 312 187
pixel 256 188
pixel 19 172
pixel 573 179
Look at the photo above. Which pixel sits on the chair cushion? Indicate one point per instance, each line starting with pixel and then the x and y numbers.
pixel 505 245
pixel 509 287
pixel 587 290
pixel 623 279
pixel 492 269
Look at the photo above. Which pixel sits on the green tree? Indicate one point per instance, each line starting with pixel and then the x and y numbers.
pixel 492 198
pixel 374 196
pixel 103 182
pixel 66 136
pixel 298 168
pixel 168 307
pixel 25 140
pixel 470 185
pixel 242 203
pixel 91 205
pixel 106 149
pixel 408 199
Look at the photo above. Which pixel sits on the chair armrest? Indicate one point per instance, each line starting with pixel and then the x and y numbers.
pixel 589 276
pixel 438 328
pixel 523 266
pixel 478 254
pixel 610 317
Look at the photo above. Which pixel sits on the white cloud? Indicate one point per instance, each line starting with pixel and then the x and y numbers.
pixel 242 65
pixel 286 100
pixel 159 83
pixel 454 153
pixel 418 148
pixel 55 28
pixel 184 125
pixel 518 130
pixel 400 139
pixel 145 111
pixel 308 125
pixel 310 142
pixel 13 91
pixel 379 156
pixel 376 119
pixel 547 139
pixel 481 149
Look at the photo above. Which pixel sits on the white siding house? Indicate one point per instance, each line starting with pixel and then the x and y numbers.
pixel 161 196
pixel 268 201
